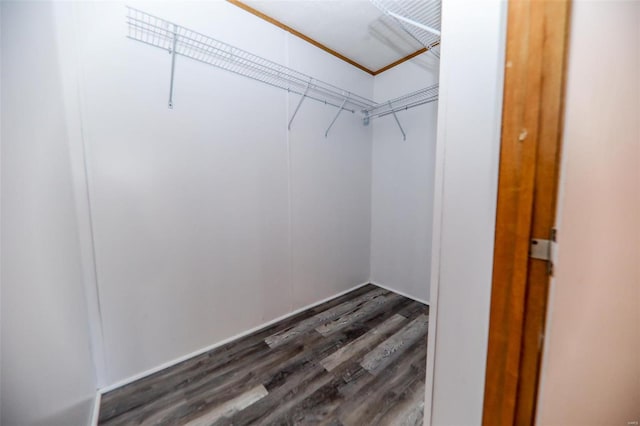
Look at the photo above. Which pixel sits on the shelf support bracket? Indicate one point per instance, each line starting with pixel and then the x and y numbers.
pixel 404 136
pixel 173 66
pixel 304 95
pixel 366 120
pixel 326 134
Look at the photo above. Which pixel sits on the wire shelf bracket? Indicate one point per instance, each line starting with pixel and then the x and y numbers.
pixel 404 135
pixel 173 66
pixel 326 134
pixel 302 98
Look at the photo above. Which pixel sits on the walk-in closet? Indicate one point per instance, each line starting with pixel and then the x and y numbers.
pixel 244 206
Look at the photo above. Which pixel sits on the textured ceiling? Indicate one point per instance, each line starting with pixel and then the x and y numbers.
pixel 353 28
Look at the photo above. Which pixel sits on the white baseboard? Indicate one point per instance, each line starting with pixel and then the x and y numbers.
pixel 224 342
pixel 401 293
pixel 96 409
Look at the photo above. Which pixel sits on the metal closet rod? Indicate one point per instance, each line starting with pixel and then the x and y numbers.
pixel 181 41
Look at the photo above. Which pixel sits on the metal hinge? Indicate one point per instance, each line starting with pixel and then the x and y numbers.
pixel 544 250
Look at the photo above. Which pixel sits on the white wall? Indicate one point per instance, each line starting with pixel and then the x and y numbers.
pixel 469 117
pixel 46 368
pixel 210 219
pixel 330 183
pixel 591 362
pixel 403 182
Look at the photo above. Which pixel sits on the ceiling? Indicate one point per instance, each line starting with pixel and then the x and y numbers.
pixel 354 29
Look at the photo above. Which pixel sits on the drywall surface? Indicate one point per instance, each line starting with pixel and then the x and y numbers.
pixel 46 369
pixel 591 362
pixel 210 218
pixel 330 183
pixel 403 182
pixel 469 117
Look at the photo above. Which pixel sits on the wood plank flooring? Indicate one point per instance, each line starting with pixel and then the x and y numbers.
pixel 358 359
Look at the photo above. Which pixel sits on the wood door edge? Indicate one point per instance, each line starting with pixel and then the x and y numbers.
pixel 509 286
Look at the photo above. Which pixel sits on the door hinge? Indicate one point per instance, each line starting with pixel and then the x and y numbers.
pixel 544 250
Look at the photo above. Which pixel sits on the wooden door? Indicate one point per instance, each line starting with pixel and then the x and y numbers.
pixel 537 35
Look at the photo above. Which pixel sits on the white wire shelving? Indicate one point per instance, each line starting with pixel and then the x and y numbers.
pixel 413 99
pixel 419 18
pixel 403 103
pixel 180 41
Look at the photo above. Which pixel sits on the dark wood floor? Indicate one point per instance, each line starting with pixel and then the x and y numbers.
pixel 356 360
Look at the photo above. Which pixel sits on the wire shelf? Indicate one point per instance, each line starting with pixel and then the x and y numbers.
pixel 181 41
pixel 171 37
pixel 402 103
pixel 425 12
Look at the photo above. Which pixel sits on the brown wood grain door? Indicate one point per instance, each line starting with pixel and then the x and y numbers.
pixel 537 35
